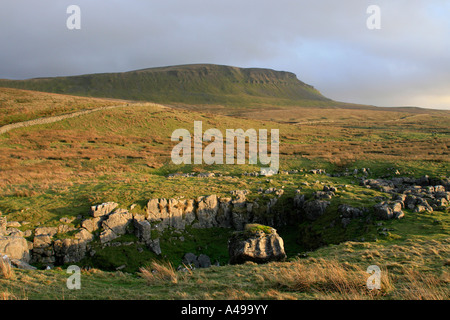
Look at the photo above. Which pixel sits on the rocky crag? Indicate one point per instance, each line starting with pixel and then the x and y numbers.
pixel 64 244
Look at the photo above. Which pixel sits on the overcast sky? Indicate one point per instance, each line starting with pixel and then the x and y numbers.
pixel 326 43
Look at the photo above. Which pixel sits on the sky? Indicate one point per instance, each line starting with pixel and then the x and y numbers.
pixel 326 43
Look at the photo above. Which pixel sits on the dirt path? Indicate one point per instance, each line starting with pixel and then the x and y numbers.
pixel 34 122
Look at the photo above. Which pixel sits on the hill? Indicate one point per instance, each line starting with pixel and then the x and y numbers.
pixel 53 172
pixel 190 84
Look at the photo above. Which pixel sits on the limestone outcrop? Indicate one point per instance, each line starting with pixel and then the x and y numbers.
pixel 258 244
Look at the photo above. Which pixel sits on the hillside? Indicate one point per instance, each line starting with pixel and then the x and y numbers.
pixel 52 173
pixel 189 84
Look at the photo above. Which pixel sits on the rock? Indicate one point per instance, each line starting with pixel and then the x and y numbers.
pixel 103 209
pixel 142 230
pixel 67 220
pixel 175 209
pixel 22 264
pixel 350 212
pixel 15 247
pixel 190 259
pixel 71 250
pixel 257 246
pixel 154 246
pixel 64 228
pixel 315 208
pixel 345 222
pixel 383 211
pixel 224 214
pixel 388 210
pixel 410 202
pixel 43 249
pixel 46 231
pixel 204 261
pixel 84 235
pixel 14 232
pixel 207 210
pixel 3 223
pixel 118 221
pixel 299 199
pixel 13 224
pixel 324 195
pixel 107 235
pixel 92 224
pixel 329 189
pixel 157 212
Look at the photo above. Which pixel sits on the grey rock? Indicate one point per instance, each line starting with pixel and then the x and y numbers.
pixel 107 235
pixel 204 261
pixel 22 264
pixel 207 210
pixel 142 230
pixel 103 209
pixel 315 209
pixel 92 224
pixel 13 224
pixel 190 259
pixel 118 221
pixel 154 246
pixel 46 231
pixel 15 247
pixel 257 247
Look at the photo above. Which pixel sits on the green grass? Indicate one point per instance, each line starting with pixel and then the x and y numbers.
pixel 190 84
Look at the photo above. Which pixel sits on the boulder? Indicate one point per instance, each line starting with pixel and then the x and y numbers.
pixel 70 250
pixel 191 260
pixel 204 261
pixel 43 249
pixel 46 231
pixel 224 214
pixel 175 209
pixel 350 212
pixel 22 264
pixel 92 224
pixel 157 211
pixel 154 246
pixel 315 209
pixel 388 210
pixel 15 248
pixel 259 245
pixel 299 199
pixel 118 221
pixel 103 209
pixel 142 229
pixel 107 235
pixel 207 210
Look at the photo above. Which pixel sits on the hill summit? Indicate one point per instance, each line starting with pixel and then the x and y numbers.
pixel 190 84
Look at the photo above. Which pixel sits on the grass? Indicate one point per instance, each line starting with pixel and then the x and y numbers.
pixel 332 273
pixel 159 272
pixel 191 84
pixel 6 271
pixel 21 105
pixel 59 170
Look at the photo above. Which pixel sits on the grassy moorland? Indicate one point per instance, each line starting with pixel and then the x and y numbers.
pixel 189 84
pixel 57 170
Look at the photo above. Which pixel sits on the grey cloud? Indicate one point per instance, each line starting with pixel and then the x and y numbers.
pixel 326 43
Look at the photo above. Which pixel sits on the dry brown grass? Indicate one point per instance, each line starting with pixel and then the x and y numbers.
pixel 327 279
pixel 417 285
pixel 159 272
pixel 6 270
pixel 21 105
